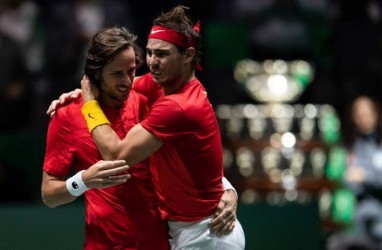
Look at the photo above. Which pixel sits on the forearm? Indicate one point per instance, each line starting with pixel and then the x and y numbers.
pixel 135 147
pixel 54 193
pixel 108 143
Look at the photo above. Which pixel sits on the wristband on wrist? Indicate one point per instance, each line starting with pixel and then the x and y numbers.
pixel 93 115
pixel 76 185
pixel 228 186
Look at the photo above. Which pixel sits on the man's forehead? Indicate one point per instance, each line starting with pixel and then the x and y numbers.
pixel 157 44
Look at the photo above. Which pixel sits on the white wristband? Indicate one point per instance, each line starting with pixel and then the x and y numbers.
pixel 76 185
pixel 228 186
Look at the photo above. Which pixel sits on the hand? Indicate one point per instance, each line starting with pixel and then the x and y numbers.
pixel 64 99
pixel 224 220
pixel 105 174
pixel 89 91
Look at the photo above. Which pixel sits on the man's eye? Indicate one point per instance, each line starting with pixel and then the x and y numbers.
pixel 160 54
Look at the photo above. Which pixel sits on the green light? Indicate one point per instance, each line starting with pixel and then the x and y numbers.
pixel 343 206
pixel 336 164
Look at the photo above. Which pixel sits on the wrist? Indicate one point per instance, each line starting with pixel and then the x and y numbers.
pixel 87 98
pixel 75 184
pixel 227 186
pixel 93 115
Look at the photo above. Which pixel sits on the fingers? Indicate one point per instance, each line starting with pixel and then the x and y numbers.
pixel 89 91
pixel 85 81
pixel 226 228
pixel 62 100
pixel 76 93
pixel 114 166
pixel 106 173
pixel 114 180
pixel 224 223
pixel 63 97
pixel 111 168
pixel 224 219
pixel 118 179
pixel 52 108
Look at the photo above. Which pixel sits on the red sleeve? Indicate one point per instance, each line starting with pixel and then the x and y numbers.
pixel 59 151
pixel 166 120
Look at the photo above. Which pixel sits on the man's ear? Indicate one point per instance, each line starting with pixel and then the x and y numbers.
pixel 190 54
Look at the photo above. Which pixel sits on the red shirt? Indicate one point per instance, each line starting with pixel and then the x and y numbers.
pixel 187 170
pixel 120 217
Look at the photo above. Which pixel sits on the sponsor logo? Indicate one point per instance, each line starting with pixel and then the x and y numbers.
pixel 74 185
pixel 156 31
pixel 90 116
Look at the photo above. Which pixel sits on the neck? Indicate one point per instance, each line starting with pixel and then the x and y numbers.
pixel 169 89
pixel 108 102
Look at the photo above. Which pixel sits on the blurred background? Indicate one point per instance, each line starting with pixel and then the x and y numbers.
pixel 281 75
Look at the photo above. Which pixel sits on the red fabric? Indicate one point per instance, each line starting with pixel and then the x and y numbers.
pixel 187 170
pixel 145 86
pixel 171 36
pixel 174 37
pixel 119 217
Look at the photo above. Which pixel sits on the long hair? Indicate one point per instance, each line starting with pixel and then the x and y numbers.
pixel 105 45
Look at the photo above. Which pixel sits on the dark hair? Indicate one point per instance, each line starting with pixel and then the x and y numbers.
pixel 105 45
pixel 350 129
pixel 177 20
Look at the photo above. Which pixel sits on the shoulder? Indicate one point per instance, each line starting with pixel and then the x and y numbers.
pixel 137 98
pixel 68 113
pixel 143 79
pixel 168 107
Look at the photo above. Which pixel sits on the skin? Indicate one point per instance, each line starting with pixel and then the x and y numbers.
pixel 163 60
pixel 364 115
pixel 172 70
pixel 225 214
pixel 168 67
pixel 115 84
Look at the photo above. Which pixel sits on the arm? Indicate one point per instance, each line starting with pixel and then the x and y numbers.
pixel 56 191
pixel 135 147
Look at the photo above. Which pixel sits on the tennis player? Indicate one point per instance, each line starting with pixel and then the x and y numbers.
pixel 180 132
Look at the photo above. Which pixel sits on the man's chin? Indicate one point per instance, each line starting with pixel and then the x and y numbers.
pixel 157 81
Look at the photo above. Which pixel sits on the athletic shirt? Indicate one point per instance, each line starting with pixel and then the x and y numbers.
pixel 120 217
pixel 187 170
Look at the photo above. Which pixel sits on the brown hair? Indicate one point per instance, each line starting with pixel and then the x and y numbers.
pixel 105 45
pixel 177 20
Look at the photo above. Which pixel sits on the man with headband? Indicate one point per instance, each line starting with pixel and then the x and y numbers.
pixel 180 132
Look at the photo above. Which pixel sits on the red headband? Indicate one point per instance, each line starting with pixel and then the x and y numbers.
pixel 174 37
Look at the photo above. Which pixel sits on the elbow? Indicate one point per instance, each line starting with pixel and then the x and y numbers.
pixel 49 198
pixel 112 153
pixel 48 201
